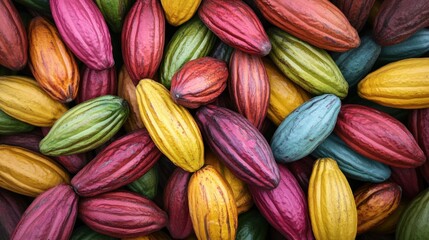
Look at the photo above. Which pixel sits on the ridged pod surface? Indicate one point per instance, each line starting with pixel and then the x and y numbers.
pixel 374 203
pixel 84 30
pixel 120 163
pixel 86 126
pixel 331 204
pixel 97 83
pixel 28 173
pixel 10 125
pixel 13 41
pixel 419 127
pixel 235 24
pixel 306 65
pixel 413 223
pixel 121 214
pixel 389 224
pixel 114 11
pixel 12 206
pixel 401 84
pixel 51 62
pixel 143 38
pixel 251 225
pixel 285 207
pixel 285 95
pixel 357 11
pixel 409 180
pixel 191 41
pixel 171 126
pixel 305 128
pixel 51 215
pixel 241 147
pixel 23 99
pixel 249 86
pixel 378 136
pixel 199 82
pixel 28 140
pixel 211 205
pixel 179 11
pixel 319 23
pixel 147 185
pixel 301 169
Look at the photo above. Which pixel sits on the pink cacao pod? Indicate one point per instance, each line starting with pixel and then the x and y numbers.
pixel 12 206
pixel 419 127
pixel 96 83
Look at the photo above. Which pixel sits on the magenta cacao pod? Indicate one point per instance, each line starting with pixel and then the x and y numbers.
pixel 176 204
pixel 302 169
pixel 419 127
pixel 28 140
pixel 285 207
pixel 378 136
pixel 96 83
pixel 235 24
pixel 51 215
pixel 143 38
pixel 409 180
pixel 122 162
pixel 240 145
pixel 13 37
pixel 12 206
pixel 84 30
pixel 356 11
pixel 121 214
pixel 249 86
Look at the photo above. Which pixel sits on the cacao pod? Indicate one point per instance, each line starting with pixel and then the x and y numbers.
pixel 251 225
pixel 96 83
pixel 85 233
pixel 12 206
pixel 413 223
pixel 28 140
pixel 301 169
pixel 10 125
pixel 153 236
pixel 222 52
pixel 147 185
pixel 389 224
pixel 409 180
pixel 179 11
pixel 419 127
pixel 357 11
pixel 114 11
pixel 38 5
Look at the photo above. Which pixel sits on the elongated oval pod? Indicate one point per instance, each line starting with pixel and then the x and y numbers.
pixel 86 126
pixel 147 185
pixel 114 11
pixel 252 225
pixel 357 12
pixel 409 180
pixel 10 125
pixel 419 127
pixel 413 223
pixel 171 127
pixel 29 141
pixel 12 206
pixel 96 83
pixel 179 11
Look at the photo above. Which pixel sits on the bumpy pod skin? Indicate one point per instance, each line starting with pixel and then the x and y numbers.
pixel 86 126
pixel 413 223
pixel 378 136
pixel 211 205
pixel 10 125
pixel 357 12
pixel 143 38
pixel 306 65
pixel 12 206
pixel 121 214
pixel 96 83
pixel 28 173
pixel 114 11
pixel 51 215
pixel 285 207
pixel 84 30
pixel 305 128
pixel 241 147
pixel 171 126
pixel 331 204
pixel 179 11
pixel 319 23
pixel 419 127
pixel 23 99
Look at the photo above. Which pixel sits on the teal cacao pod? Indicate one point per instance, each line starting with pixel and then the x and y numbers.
pixel 252 225
pixel 413 224
pixel 191 41
pixel 85 233
pixel 41 6
pixel 147 185
pixel 310 67
pixel 114 12
pixel 305 128
pixel 351 163
pixel 10 125
pixel 355 64
pixel 86 126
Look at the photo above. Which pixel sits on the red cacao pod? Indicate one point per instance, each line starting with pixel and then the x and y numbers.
pixel 199 82
pixel 285 207
pixel 28 140
pixel 302 169
pixel 235 24
pixel 122 162
pixel 419 127
pixel 84 30
pixel 176 204
pixel 378 136
pixel 357 11
pixel 409 180
pixel 13 37
pixel 143 38
pixel 249 86
pixel 239 145
pixel 51 215
pixel 96 83
pixel 12 206
pixel 121 214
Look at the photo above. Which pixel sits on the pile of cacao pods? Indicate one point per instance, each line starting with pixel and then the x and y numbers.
pixel 214 119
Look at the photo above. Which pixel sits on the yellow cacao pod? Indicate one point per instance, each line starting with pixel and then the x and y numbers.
pixel 28 173
pixel 211 205
pixel 23 99
pixel 171 126
pixel 241 193
pixel 331 203
pixel 127 91
pixel 402 84
pixel 285 95
pixel 51 62
pixel 179 11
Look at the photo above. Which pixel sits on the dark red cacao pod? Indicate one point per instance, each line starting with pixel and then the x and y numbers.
pixel 302 169
pixel 28 140
pixel 51 215
pixel 96 83
pixel 249 87
pixel 13 37
pixel 419 127
pixel 143 38
pixel 356 11
pixel 409 180
pixel 122 162
pixel 240 145
pixel 176 204
pixel 121 214
pixel 12 206
pixel 235 24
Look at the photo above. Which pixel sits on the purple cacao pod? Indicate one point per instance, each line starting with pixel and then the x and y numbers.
pixel 302 169
pixel 12 206
pixel 419 127
pixel 409 180
pixel 28 140
pixel 95 83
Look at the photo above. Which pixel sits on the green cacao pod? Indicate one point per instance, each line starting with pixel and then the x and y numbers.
pixel 114 11
pixel 414 221
pixel 147 185
pixel 10 125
